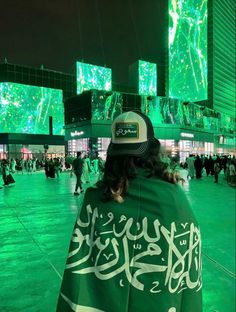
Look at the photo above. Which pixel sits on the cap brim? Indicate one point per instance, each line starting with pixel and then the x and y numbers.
pixel 137 149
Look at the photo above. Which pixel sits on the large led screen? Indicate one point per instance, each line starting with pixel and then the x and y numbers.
pixel 188 49
pixel 106 105
pixel 26 109
pixel 162 110
pixel 92 77
pixel 147 78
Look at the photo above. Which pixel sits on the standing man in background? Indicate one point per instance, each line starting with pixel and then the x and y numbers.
pixel 77 168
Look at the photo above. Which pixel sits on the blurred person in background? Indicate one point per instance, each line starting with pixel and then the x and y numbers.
pixel 77 166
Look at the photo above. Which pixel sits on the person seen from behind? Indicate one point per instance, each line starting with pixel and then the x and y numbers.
pixel 217 169
pixel 198 167
pixel 5 171
pixel 232 174
pixel 190 163
pixel 136 245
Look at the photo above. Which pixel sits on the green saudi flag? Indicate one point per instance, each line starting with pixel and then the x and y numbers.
pixel 140 255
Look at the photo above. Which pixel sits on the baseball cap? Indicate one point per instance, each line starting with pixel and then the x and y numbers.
pixel 131 135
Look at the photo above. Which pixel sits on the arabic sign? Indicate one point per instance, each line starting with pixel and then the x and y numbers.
pixel 187 135
pixel 127 130
pixel 76 133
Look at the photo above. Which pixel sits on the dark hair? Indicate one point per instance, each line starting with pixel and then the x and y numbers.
pixel 120 169
pixel 78 154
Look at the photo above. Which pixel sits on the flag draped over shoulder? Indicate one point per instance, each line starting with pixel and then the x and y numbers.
pixel 140 255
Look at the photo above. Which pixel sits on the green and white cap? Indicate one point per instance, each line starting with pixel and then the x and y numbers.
pixel 132 135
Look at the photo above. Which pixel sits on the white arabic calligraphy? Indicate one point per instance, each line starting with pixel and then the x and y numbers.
pixel 125 131
pixel 126 247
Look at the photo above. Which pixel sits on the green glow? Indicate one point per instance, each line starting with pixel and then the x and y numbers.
pixel 147 78
pixel 106 106
pixel 26 109
pixel 188 49
pixel 92 77
pixel 162 110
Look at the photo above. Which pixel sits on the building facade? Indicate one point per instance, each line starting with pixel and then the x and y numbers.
pixel 182 127
pixel 221 56
pixel 32 110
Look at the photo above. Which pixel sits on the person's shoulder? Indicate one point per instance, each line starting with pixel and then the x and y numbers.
pixel 93 193
pixel 90 191
pixel 160 186
pixel 175 188
pixel 154 185
pixel 155 181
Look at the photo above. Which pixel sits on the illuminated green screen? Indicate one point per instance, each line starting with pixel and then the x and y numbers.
pixel 147 78
pixel 26 109
pixel 188 49
pixel 92 77
pixel 106 105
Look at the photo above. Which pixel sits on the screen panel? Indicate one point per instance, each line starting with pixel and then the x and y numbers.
pixel 26 109
pixel 162 110
pixel 106 105
pixel 188 49
pixel 147 78
pixel 90 76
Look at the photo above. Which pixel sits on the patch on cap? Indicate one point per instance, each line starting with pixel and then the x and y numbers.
pixel 131 135
pixel 127 130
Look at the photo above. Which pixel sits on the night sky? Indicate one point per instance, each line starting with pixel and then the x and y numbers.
pixel 57 33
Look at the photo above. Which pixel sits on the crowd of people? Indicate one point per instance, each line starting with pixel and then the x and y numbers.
pixel 211 166
pixel 22 165
pixel 53 167
pixel 197 166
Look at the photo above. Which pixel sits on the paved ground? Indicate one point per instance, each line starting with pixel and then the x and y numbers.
pixel 36 219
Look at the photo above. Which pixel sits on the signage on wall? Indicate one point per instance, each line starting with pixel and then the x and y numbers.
pixel 76 133
pixel 186 135
pixel 226 140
